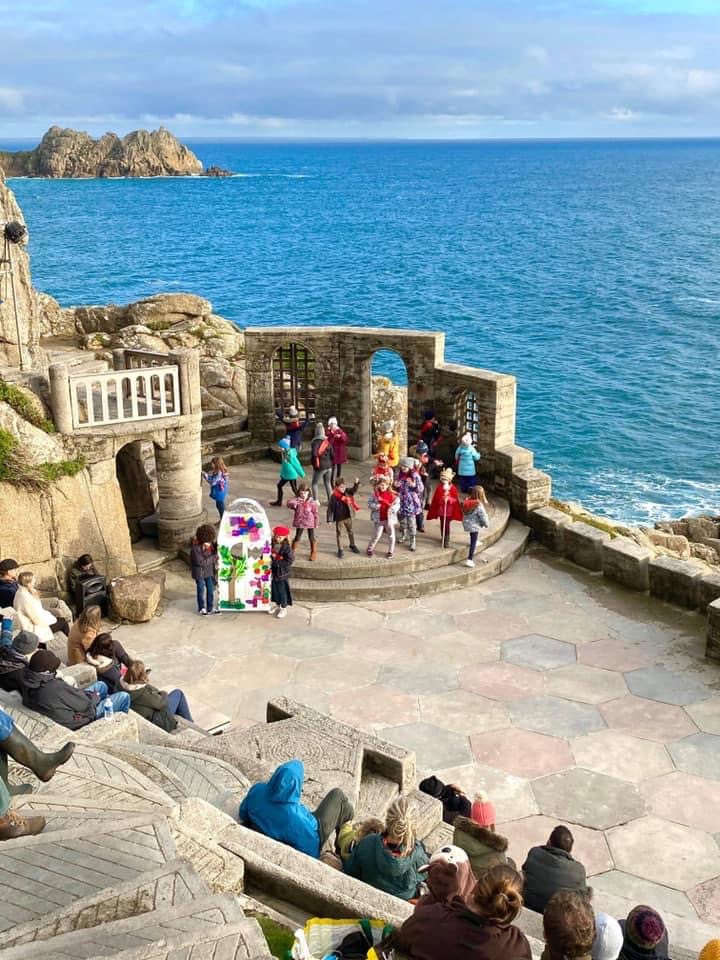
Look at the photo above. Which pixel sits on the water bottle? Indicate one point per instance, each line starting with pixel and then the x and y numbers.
pixel 108 709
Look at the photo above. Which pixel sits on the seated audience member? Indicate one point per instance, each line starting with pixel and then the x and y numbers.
pixel 46 693
pixel 569 927
pixel 274 808
pixel 31 613
pixel 13 660
pixel 352 832
pixel 391 860
pixel 551 868
pixel 14 743
pixel 457 880
pixel 8 581
pixel 155 705
pixel 82 633
pixel 84 566
pixel 476 836
pixel 480 927
pixel 608 937
pixel 107 656
pixel 455 802
pixel 644 935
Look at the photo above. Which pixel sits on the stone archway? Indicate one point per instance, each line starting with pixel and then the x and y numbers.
pixel 135 472
pixel 388 395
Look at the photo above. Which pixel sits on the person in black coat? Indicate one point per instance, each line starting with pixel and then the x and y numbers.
pixel 203 567
pixel 551 868
pixel 282 559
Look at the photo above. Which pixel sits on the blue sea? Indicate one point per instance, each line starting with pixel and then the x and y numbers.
pixel 590 270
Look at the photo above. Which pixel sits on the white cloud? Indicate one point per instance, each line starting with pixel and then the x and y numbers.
pixel 11 99
pixel 622 113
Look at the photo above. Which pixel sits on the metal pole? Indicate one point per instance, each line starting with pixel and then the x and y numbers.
pixel 8 255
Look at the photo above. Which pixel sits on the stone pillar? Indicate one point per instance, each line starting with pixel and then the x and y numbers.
pixel 712 648
pixel 118 358
pixel 60 398
pixel 179 466
pixel 189 374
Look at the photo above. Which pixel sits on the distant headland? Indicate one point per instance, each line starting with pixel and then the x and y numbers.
pixel 72 153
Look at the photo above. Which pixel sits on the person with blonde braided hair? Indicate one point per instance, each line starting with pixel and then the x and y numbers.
pixel 391 860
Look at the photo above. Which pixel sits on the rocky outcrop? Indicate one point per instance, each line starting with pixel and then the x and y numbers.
pixel 71 153
pixel 161 324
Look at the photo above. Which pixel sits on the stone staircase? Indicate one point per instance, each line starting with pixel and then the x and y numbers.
pixel 228 437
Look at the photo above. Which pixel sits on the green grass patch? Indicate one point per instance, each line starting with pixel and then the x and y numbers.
pixel 24 406
pixel 158 324
pixel 15 469
pixel 63 468
pixel 279 939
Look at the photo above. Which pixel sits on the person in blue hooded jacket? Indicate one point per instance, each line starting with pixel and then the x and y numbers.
pixel 274 808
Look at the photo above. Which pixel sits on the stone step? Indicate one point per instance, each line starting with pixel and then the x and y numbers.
pixel 169 884
pixel 209 416
pixel 426 811
pixel 185 773
pixel 202 917
pixel 387 585
pixel 78 786
pixel 147 554
pixel 244 454
pixel 237 941
pixel 221 426
pixel 216 446
pixel 375 795
pixel 441 836
pixel 43 873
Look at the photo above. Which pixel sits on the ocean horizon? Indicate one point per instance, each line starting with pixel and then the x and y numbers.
pixel 586 268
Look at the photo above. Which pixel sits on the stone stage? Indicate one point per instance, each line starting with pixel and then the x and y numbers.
pixel 564 697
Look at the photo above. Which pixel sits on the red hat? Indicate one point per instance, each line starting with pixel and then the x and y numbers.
pixel 483 811
pixel 281 531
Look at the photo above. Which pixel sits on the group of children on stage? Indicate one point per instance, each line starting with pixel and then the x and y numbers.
pixel 401 488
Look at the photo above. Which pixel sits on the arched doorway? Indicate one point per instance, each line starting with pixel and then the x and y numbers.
pixel 293 379
pixel 467 414
pixel 389 396
pixel 136 474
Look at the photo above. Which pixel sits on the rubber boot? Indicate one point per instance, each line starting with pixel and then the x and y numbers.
pixel 14 825
pixel 313 550
pixel 14 789
pixel 296 541
pixel 24 751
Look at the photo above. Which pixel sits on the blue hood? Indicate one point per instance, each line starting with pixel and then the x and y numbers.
pixel 285 785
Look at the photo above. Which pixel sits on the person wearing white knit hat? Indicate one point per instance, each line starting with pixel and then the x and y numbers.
pixel 608 937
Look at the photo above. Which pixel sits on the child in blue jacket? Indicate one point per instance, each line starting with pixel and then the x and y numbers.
pixel 466 456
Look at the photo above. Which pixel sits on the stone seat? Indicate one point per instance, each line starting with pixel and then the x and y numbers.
pixel 206 916
pixel 169 884
pixel 49 735
pixel 232 943
pixel 40 874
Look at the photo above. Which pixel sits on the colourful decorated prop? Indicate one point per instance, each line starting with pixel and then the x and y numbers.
pixel 244 550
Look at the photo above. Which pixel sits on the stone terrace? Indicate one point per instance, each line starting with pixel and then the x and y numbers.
pixel 567 698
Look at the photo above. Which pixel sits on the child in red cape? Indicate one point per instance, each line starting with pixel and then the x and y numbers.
pixel 445 505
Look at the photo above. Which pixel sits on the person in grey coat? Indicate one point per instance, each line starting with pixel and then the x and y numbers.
pixel 551 868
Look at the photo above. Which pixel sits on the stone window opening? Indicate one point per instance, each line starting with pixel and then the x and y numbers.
pixel 467 414
pixel 293 371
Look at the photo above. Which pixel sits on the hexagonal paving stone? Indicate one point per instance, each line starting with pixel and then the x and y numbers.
pixel 648 719
pixel 556 717
pixel 706 715
pixel 433 746
pixel 306 643
pixel 590 847
pixel 375 706
pixel 683 798
pixel 339 672
pixel 502 681
pixel 491 625
pixel 586 684
pixel 649 848
pixel 522 752
pixel 664 900
pixel 538 652
pixel 614 655
pixel 512 796
pixel 251 672
pixel 698 754
pixel 464 712
pixel 620 755
pixel 591 799
pixel 706 900
pixel 657 683
pixel 420 678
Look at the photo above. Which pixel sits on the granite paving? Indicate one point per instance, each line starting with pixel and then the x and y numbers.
pixel 563 697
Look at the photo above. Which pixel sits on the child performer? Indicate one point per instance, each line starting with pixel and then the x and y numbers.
pixel 475 517
pixel 290 470
pixel 466 456
pixel 341 507
pixel 282 560
pixel 305 518
pixel 409 487
pixel 383 511
pixel 339 440
pixel 218 480
pixel 294 426
pixel 382 469
pixel 445 505
pixel 388 443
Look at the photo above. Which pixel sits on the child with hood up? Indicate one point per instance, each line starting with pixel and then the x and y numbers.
pixel 388 443
pixel 339 440
pixel 275 809
pixel 466 456
pixel 290 470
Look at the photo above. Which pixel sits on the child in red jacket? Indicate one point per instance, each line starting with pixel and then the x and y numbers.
pixel 445 505
pixel 383 505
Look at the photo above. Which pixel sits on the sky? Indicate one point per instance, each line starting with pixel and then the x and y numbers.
pixel 362 68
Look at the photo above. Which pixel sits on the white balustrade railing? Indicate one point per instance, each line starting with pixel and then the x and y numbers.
pixel 120 396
